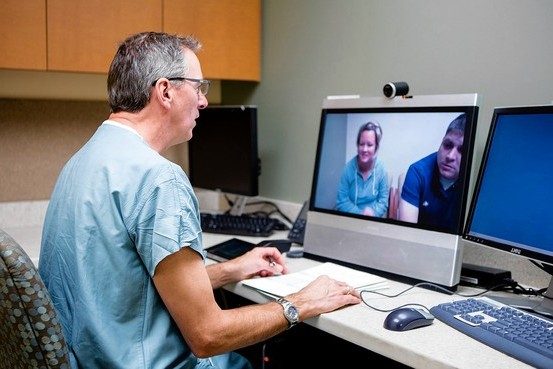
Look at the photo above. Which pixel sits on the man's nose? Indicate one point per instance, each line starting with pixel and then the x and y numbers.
pixel 202 101
pixel 452 154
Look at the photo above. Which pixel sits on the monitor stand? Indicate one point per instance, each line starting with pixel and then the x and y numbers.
pixel 539 304
pixel 238 205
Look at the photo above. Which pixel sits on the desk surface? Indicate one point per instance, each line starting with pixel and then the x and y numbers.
pixel 434 346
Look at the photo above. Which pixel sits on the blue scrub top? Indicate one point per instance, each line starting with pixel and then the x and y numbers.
pixel 118 208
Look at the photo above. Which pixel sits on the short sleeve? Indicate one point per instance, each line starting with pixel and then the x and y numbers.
pixel 410 192
pixel 168 221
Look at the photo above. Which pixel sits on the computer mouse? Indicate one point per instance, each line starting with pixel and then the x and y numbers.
pixel 404 319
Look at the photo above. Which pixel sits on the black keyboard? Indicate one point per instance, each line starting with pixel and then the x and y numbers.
pixel 524 336
pixel 240 225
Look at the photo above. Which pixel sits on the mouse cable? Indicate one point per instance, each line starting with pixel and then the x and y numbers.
pixel 361 292
pixel 397 307
pixel 427 284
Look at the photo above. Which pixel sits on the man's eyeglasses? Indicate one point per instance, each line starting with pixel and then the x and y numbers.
pixel 201 87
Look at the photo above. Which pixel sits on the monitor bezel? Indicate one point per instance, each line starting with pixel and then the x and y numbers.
pixel 254 165
pixel 513 250
pixel 466 162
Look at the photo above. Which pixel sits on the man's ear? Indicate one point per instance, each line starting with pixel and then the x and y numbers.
pixel 162 92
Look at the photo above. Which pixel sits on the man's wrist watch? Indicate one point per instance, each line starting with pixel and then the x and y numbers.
pixel 291 313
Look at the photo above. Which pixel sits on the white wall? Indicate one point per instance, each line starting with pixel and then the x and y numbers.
pixel 500 49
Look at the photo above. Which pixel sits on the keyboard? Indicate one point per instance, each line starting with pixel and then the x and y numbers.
pixel 240 225
pixel 519 334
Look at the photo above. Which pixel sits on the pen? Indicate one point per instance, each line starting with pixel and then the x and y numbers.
pixel 272 264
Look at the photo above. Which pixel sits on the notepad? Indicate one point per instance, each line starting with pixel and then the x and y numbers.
pixel 282 285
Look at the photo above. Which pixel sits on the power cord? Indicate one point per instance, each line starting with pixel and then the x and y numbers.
pixel 266 214
pixel 516 288
pixel 264 358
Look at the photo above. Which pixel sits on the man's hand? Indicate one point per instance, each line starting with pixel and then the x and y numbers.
pixel 261 261
pixel 322 295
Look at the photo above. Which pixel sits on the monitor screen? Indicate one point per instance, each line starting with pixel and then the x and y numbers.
pixel 511 207
pixel 223 153
pixel 390 183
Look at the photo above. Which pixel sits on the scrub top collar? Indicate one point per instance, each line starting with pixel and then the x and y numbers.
pixel 117 124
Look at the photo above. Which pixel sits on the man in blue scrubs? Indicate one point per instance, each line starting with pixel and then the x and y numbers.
pixel 431 194
pixel 122 252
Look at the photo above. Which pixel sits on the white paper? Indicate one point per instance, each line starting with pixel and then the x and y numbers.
pixel 286 284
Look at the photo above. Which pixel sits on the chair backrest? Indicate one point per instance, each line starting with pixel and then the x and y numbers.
pixel 395 196
pixel 30 333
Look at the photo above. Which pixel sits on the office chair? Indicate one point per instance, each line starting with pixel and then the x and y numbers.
pixel 30 333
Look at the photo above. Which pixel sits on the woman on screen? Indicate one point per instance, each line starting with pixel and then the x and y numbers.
pixel 364 186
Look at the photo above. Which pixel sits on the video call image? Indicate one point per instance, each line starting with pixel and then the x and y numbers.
pixel 405 166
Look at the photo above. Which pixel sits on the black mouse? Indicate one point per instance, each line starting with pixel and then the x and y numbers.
pixel 406 318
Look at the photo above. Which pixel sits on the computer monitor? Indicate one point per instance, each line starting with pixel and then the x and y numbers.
pixel 511 209
pixel 223 152
pixel 396 217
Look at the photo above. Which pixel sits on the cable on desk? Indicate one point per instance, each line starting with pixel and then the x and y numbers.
pixel 517 289
pixel 262 213
pixel 508 285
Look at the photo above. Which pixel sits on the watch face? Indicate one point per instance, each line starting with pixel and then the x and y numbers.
pixel 293 312
pixel 290 311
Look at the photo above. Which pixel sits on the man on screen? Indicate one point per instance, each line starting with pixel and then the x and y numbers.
pixel 431 194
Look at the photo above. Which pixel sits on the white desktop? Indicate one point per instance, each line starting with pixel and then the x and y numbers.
pixel 434 346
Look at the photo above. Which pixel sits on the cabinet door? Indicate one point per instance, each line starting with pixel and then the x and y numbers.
pixel 230 31
pixel 83 35
pixel 23 30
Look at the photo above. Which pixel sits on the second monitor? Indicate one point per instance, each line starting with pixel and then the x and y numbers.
pixel 511 206
pixel 223 151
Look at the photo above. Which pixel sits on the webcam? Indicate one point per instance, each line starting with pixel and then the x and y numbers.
pixel 393 89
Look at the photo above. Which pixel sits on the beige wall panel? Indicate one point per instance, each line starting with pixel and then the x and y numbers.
pixel 37 137
pixel 83 35
pixel 23 30
pixel 230 31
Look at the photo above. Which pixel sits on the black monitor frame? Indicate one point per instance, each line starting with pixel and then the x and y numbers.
pixel 469 137
pixel 223 151
pixel 541 305
pixel 496 244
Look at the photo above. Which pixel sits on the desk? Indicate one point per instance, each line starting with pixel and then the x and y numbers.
pixel 435 346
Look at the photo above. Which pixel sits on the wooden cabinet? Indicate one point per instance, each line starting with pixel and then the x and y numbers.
pixel 23 30
pixel 230 32
pixel 83 35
